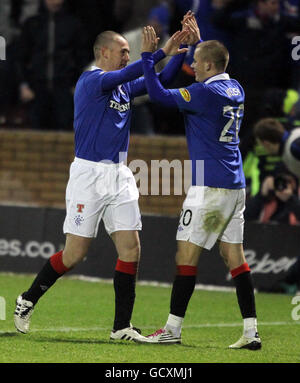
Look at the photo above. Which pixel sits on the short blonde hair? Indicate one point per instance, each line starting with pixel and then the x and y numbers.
pixel 214 51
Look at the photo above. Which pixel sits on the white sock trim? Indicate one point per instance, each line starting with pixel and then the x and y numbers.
pixel 174 324
pixel 250 327
pixel 174 320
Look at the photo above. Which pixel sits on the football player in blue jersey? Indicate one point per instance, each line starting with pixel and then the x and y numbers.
pixel 100 185
pixel 213 209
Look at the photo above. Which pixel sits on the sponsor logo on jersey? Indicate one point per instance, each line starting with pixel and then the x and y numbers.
pixel 120 107
pixel 185 94
pixel 121 90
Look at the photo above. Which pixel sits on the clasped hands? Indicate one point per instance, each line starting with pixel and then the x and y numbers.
pixel 190 35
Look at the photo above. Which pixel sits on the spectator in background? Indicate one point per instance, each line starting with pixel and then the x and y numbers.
pixel 12 14
pixel 258 165
pixel 21 10
pixel 132 14
pixel 6 29
pixel 277 201
pixel 260 48
pixel 271 134
pixel 276 140
pixel 284 106
pixel 52 54
pixel 96 16
pixel 6 77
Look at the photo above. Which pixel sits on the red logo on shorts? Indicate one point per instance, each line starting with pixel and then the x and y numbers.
pixel 80 207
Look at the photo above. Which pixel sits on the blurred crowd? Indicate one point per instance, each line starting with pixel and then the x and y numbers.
pixel 49 43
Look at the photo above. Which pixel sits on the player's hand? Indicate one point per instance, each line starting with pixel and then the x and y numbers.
pixel 187 16
pixel 189 23
pixel 26 93
pixel 172 46
pixel 267 186
pixel 149 39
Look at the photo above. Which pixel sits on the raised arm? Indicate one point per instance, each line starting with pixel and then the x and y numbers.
pixel 166 76
pixel 156 91
pixel 112 79
pixel 193 37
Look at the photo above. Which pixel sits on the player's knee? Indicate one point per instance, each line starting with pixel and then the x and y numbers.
pixel 232 254
pixel 187 253
pixel 131 253
pixel 72 259
pixel 184 258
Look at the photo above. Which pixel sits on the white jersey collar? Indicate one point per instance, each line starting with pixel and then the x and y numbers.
pixel 218 77
pixel 94 67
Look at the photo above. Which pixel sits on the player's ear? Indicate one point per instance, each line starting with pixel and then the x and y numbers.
pixel 104 52
pixel 207 66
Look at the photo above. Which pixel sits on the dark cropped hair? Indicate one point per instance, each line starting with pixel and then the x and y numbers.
pixel 104 39
pixel 269 129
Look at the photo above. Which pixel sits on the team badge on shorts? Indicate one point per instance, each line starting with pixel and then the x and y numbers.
pixel 78 220
pixel 185 94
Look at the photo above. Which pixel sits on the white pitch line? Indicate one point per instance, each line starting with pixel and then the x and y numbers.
pixel 201 325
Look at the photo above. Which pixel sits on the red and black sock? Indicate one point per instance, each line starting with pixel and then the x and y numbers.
pixel 244 290
pixel 124 285
pixel 183 288
pixel 52 270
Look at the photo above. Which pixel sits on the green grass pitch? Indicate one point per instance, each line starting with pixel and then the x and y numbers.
pixel 72 322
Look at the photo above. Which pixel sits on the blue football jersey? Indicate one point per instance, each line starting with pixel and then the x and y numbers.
pixel 101 119
pixel 213 112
